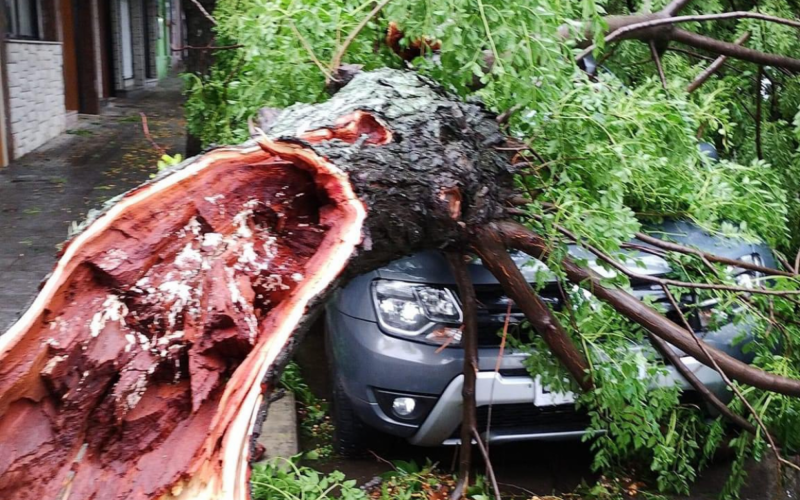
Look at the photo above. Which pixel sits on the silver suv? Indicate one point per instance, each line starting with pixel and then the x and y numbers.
pixel 394 372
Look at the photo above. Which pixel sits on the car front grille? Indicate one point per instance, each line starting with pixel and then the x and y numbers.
pixel 493 307
pixel 526 417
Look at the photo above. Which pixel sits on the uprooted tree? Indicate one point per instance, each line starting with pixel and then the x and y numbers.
pixel 140 369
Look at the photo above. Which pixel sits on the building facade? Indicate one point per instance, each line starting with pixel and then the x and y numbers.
pixel 61 58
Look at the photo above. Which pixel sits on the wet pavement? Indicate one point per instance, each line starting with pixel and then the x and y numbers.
pixel 44 192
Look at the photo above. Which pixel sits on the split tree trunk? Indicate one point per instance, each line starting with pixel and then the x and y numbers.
pixel 140 370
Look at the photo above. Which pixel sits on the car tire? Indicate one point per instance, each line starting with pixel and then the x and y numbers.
pixel 351 437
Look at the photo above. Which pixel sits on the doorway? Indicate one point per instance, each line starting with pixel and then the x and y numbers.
pixel 126 39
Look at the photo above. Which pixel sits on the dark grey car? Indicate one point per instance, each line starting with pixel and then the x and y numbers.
pixel 392 374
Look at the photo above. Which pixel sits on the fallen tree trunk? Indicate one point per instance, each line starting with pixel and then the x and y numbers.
pixel 140 370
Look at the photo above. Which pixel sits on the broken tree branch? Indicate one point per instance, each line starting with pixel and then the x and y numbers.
pixel 714 66
pixel 469 341
pixel 675 6
pixel 657 61
pixel 759 100
pixel 493 253
pixel 669 355
pixel 675 247
pixel 661 27
pixel 519 237
pixel 732 50
pixel 208 47
pixel 337 57
pixel 146 131
pixel 205 12
pixel 728 382
pixel 489 468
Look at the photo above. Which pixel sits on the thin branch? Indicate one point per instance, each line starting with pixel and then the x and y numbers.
pixel 675 247
pixel 669 355
pixel 729 383
pixel 205 12
pixel 665 21
pixel 489 468
pixel 666 281
pixel 732 50
pixel 307 47
pixel 519 237
pixel 146 131
pixel 691 53
pixel 497 371
pixel 657 60
pixel 208 47
pixel 797 262
pixel 492 251
pixel 337 58
pixel 714 66
pixel 701 18
pixel 759 100
pixel 469 341
pixel 505 115
pixel 675 6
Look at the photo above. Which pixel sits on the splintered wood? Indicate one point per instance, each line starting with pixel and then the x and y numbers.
pixel 119 380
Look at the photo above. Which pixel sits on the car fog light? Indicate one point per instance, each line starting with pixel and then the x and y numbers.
pixel 404 406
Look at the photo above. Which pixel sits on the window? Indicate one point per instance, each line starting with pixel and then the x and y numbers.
pixel 23 19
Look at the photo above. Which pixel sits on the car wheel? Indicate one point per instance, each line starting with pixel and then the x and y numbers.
pixel 351 436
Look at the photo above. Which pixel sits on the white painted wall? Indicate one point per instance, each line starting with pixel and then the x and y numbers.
pixel 35 93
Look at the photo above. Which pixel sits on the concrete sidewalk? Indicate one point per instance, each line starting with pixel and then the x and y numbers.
pixel 45 191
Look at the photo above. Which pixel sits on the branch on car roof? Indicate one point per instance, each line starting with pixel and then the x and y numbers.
pixel 469 341
pixel 519 237
pixel 686 250
pixel 675 247
pixel 492 251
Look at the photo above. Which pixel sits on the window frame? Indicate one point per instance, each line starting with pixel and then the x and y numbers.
pixel 13 12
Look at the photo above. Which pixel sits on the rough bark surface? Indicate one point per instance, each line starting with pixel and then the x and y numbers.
pixel 139 370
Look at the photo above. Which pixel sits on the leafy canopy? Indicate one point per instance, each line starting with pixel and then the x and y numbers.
pixel 613 152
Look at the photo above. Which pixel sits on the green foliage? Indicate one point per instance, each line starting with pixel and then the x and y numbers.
pixel 167 161
pixel 613 153
pixel 284 480
pixel 314 413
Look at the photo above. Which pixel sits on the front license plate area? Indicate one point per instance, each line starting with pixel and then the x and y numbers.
pixel 543 396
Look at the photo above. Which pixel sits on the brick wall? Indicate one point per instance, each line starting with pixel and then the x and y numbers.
pixel 35 93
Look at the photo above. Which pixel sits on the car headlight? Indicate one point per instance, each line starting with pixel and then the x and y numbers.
pixel 411 309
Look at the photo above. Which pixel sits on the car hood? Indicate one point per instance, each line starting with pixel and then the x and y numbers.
pixel 431 266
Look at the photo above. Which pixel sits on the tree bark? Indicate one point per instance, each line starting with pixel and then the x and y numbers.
pixel 140 370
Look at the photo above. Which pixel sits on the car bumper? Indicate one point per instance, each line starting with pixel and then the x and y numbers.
pixel 495 389
pixel 365 359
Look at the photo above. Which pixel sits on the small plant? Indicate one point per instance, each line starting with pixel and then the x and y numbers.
pixel 314 413
pixel 285 480
pixel 167 161
pixel 409 480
